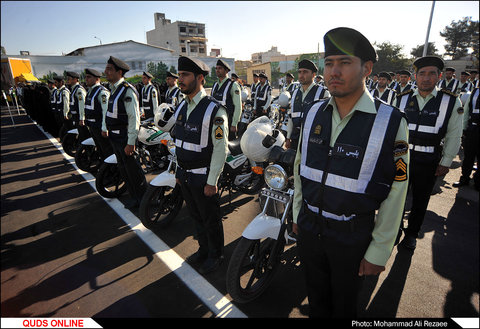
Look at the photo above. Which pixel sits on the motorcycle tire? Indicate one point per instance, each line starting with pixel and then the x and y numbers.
pixel 70 144
pixel 87 158
pixel 160 205
pixel 248 273
pixel 109 181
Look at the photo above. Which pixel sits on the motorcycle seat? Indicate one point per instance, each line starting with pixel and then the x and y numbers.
pixel 234 147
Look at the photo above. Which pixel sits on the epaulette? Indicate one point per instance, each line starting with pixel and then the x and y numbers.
pixel 451 93
pixel 405 93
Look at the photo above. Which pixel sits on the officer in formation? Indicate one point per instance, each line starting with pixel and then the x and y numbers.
pixel 122 123
pixel 63 102
pixel 404 82
pixel 392 81
pixel 228 93
pixel 201 136
pixel 382 91
pixel 434 115
pixel 290 84
pixel 464 85
pixel 263 96
pixel 474 78
pixel 96 105
pixel 149 97
pixel 471 124
pixel 253 87
pixel 76 105
pixel 352 160
pixel 172 95
pixel 53 99
pixel 319 80
pixel 449 83
pixel 373 82
pixel 302 98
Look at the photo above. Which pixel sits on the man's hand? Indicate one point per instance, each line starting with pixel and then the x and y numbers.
pixel 441 170
pixel 288 141
pixel 104 134
pixel 367 268
pixel 295 228
pixel 129 149
pixel 210 190
pixel 233 129
pixel 81 122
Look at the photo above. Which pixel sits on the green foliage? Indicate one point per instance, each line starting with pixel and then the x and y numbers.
pixel 313 57
pixel 418 50
pixel 390 58
pixel 159 71
pixel 460 36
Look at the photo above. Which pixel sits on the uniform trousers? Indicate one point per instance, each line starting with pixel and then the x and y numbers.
pixel 470 149
pixel 421 183
pixel 104 147
pixel 206 213
pixel 330 253
pixel 130 170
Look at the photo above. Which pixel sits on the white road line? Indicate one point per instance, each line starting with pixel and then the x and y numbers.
pixel 219 304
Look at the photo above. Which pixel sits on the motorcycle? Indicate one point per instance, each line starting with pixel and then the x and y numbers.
pixel 70 142
pixel 87 157
pixel 258 253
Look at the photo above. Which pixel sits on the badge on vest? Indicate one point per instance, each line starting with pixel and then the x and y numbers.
pixel 192 127
pixel 318 129
pixel 218 133
pixel 401 173
pixel 347 151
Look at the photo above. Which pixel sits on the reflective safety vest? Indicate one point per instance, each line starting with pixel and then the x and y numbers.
pixel 353 177
pixel 93 107
pixel 452 85
pixel 171 94
pixel 116 117
pixel 299 106
pixel 147 100
pixel 74 103
pixel 387 96
pixel 427 127
pixel 474 111
pixel 53 100
pixel 60 99
pixel 223 95
pixel 261 95
pixel 192 136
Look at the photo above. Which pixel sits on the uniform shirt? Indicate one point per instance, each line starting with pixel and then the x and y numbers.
pixel 220 146
pixel 153 98
pixel 102 96
pixel 132 109
pixel 80 94
pixel 179 96
pixel 468 86
pixel 453 135
pixel 466 108
pixel 380 94
pixel 65 94
pixel 268 96
pixel 391 210
pixel 236 94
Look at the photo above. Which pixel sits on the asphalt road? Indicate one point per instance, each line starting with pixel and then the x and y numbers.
pixel 68 252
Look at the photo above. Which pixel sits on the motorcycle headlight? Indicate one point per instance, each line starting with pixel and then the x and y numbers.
pixel 171 146
pixel 275 177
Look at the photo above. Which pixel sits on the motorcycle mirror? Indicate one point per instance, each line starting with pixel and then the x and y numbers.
pixel 268 141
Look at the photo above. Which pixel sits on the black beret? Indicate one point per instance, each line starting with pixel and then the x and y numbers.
pixel 73 74
pixel 385 75
pixel 290 75
pixel 451 69
pixel 347 41
pixel 320 76
pixel 224 64
pixel 255 75
pixel 172 75
pixel 93 72
pixel 119 64
pixel 50 81
pixel 262 75
pixel 474 71
pixel 307 64
pixel 428 61
pixel 58 78
pixel 193 65
pixel 404 72
pixel 148 74
pixel 234 75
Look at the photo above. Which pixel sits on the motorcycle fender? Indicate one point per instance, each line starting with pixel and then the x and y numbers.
pixel 73 131
pixel 164 179
pixel 111 159
pixel 88 141
pixel 262 226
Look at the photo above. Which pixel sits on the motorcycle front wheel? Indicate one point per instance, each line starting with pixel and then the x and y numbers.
pixel 249 273
pixel 70 144
pixel 160 205
pixel 109 181
pixel 87 158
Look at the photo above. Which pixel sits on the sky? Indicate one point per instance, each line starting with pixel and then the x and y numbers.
pixel 239 28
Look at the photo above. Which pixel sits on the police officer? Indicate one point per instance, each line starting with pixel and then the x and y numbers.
pixel 382 91
pixel 464 85
pixel 471 124
pixel 352 160
pixel 149 97
pixel 228 93
pixel 302 97
pixel 201 134
pixel 53 97
pixel 96 105
pixel 76 105
pixel 263 96
pixel 474 78
pixel 122 123
pixel 433 115
pixel 62 104
pixel 392 82
pixel 404 84
pixel 290 84
pixel 374 82
pixel 253 87
pixel 449 83
pixel 172 95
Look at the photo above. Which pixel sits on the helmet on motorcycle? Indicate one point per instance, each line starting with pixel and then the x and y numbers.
pixel 149 134
pixel 244 94
pixel 164 118
pixel 259 138
pixel 284 99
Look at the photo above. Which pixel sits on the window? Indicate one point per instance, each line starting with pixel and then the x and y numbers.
pixel 193 49
pixel 183 29
pixel 184 50
pixel 201 51
pixel 191 31
pixel 200 31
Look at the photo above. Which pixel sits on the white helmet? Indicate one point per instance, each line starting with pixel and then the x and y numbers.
pixel 259 138
pixel 284 99
pixel 244 94
pixel 164 118
pixel 149 135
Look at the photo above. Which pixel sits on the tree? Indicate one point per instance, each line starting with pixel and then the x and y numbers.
pixel 418 50
pixel 390 58
pixel 460 36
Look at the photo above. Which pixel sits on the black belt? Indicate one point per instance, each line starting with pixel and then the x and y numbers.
pixel 363 220
pixel 193 164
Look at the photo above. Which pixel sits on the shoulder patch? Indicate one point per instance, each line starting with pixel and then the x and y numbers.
pixel 218 133
pixel 400 148
pixel 401 171
pixel 128 99
pixel 460 110
pixel 218 121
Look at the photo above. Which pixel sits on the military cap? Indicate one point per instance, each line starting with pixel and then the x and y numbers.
pixel 50 81
pixel 384 75
pixel 307 64
pixel 147 74
pixel 428 61
pixel 234 75
pixel 93 72
pixel 290 75
pixel 474 71
pixel 224 64
pixel 119 64
pixel 347 41
pixel 320 76
pixel 73 74
pixel 255 75
pixel 58 78
pixel 450 69
pixel 465 73
pixel 172 75
pixel 193 65
pixel 262 75
pixel 404 72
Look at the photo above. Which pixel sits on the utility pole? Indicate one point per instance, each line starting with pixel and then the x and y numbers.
pixel 425 47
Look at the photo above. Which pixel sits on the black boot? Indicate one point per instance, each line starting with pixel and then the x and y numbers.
pixel 462 182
